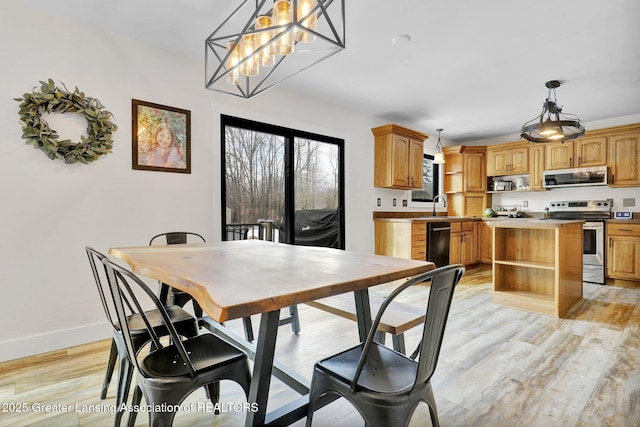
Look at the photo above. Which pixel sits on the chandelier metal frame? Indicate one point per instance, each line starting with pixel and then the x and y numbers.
pixel 552 125
pixel 318 32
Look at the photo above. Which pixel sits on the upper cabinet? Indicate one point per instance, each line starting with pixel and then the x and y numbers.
pixel 398 155
pixel 536 167
pixel 583 152
pixel 624 159
pixel 508 159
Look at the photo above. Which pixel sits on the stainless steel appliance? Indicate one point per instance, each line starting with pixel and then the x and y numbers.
pixel 438 239
pixel 577 177
pixel 594 213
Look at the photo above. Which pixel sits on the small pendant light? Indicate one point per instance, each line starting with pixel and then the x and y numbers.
pixel 438 158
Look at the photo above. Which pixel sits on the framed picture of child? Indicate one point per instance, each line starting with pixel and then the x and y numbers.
pixel 161 137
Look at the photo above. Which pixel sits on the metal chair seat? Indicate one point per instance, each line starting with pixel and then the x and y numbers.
pixel 399 372
pixel 161 364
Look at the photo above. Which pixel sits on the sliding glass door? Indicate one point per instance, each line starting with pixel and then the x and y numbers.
pixel 281 184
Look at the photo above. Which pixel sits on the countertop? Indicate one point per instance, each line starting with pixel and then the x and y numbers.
pixel 534 223
pixel 429 219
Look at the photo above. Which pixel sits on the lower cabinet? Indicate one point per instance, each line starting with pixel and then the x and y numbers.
pixel 484 242
pixel 623 251
pixel 401 239
pixel 462 246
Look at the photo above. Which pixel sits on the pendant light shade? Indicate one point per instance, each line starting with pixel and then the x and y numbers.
pixel 552 124
pixel 438 158
pixel 264 42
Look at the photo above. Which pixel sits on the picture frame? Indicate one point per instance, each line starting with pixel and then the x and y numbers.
pixel 161 137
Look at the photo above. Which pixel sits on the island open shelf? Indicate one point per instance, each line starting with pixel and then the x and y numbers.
pixel 537 265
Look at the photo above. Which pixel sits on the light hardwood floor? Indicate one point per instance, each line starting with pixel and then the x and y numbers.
pixel 498 367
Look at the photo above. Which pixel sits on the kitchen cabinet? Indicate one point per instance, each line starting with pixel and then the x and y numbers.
pixel 465 180
pixel 583 152
pixel 462 244
pixel 484 242
pixel 401 239
pixel 624 159
pixel 537 265
pixel 623 251
pixel 398 157
pixel 536 167
pixel 468 204
pixel 508 161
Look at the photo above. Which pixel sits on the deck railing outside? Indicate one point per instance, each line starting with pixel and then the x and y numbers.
pixel 262 230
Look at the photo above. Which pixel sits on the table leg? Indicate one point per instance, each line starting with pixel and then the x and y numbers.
pixel 261 379
pixel 363 312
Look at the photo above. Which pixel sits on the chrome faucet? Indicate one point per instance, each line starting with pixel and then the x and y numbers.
pixel 435 199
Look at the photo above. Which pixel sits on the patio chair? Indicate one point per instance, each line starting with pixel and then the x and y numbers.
pixel 384 385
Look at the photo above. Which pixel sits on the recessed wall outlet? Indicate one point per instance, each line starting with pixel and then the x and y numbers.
pixel 629 203
pixel 379 202
pixel 404 202
pixel 525 204
pixel 395 202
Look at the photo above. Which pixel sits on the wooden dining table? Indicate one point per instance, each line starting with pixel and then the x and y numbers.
pixel 236 279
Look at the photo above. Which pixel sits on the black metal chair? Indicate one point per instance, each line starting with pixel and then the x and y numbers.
pixel 169 373
pixel 167 294
pixel 384 385
pixel 184 323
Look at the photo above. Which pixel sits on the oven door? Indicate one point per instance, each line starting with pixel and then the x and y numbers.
pixel 593 243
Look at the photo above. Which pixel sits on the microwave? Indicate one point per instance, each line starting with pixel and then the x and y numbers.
pixel 577 177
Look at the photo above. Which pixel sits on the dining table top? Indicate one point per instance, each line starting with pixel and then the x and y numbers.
pixel 235 279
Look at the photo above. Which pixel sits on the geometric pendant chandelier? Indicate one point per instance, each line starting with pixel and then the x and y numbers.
pixel 264 42
pixel 552 124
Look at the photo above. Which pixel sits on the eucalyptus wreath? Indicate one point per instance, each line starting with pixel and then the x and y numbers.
pixel 52 99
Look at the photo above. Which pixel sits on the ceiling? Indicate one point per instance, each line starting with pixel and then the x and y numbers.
pixel 475 68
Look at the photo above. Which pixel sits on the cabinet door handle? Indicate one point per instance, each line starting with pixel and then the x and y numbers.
pixel 570 161
pixel 625 230
pixel 579 161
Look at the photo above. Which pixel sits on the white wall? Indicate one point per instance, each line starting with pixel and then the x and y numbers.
pixel 51 211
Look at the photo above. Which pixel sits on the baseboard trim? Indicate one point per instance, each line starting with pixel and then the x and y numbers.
pixel 44 343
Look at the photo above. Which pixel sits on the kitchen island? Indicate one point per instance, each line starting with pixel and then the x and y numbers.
pixel 537 264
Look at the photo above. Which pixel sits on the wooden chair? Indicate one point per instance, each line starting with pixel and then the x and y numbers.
pixel 384 385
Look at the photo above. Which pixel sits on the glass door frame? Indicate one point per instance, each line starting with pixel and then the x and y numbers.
pixel 289 136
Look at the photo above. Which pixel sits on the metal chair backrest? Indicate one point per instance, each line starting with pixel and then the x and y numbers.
pixel 101 279
pixel 176 237
pixel 122 284
pixel 443 283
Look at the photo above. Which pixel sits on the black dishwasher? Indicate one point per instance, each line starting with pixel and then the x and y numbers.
pixel 438 235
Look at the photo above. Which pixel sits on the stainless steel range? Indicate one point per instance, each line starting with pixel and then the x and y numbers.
pixel 594 213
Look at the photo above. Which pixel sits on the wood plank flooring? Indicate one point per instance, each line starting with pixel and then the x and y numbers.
pixel 498 367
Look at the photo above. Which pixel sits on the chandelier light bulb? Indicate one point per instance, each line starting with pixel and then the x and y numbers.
pixel 310 23
pixel 233 59
pixel 283 13
pixel 266 56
